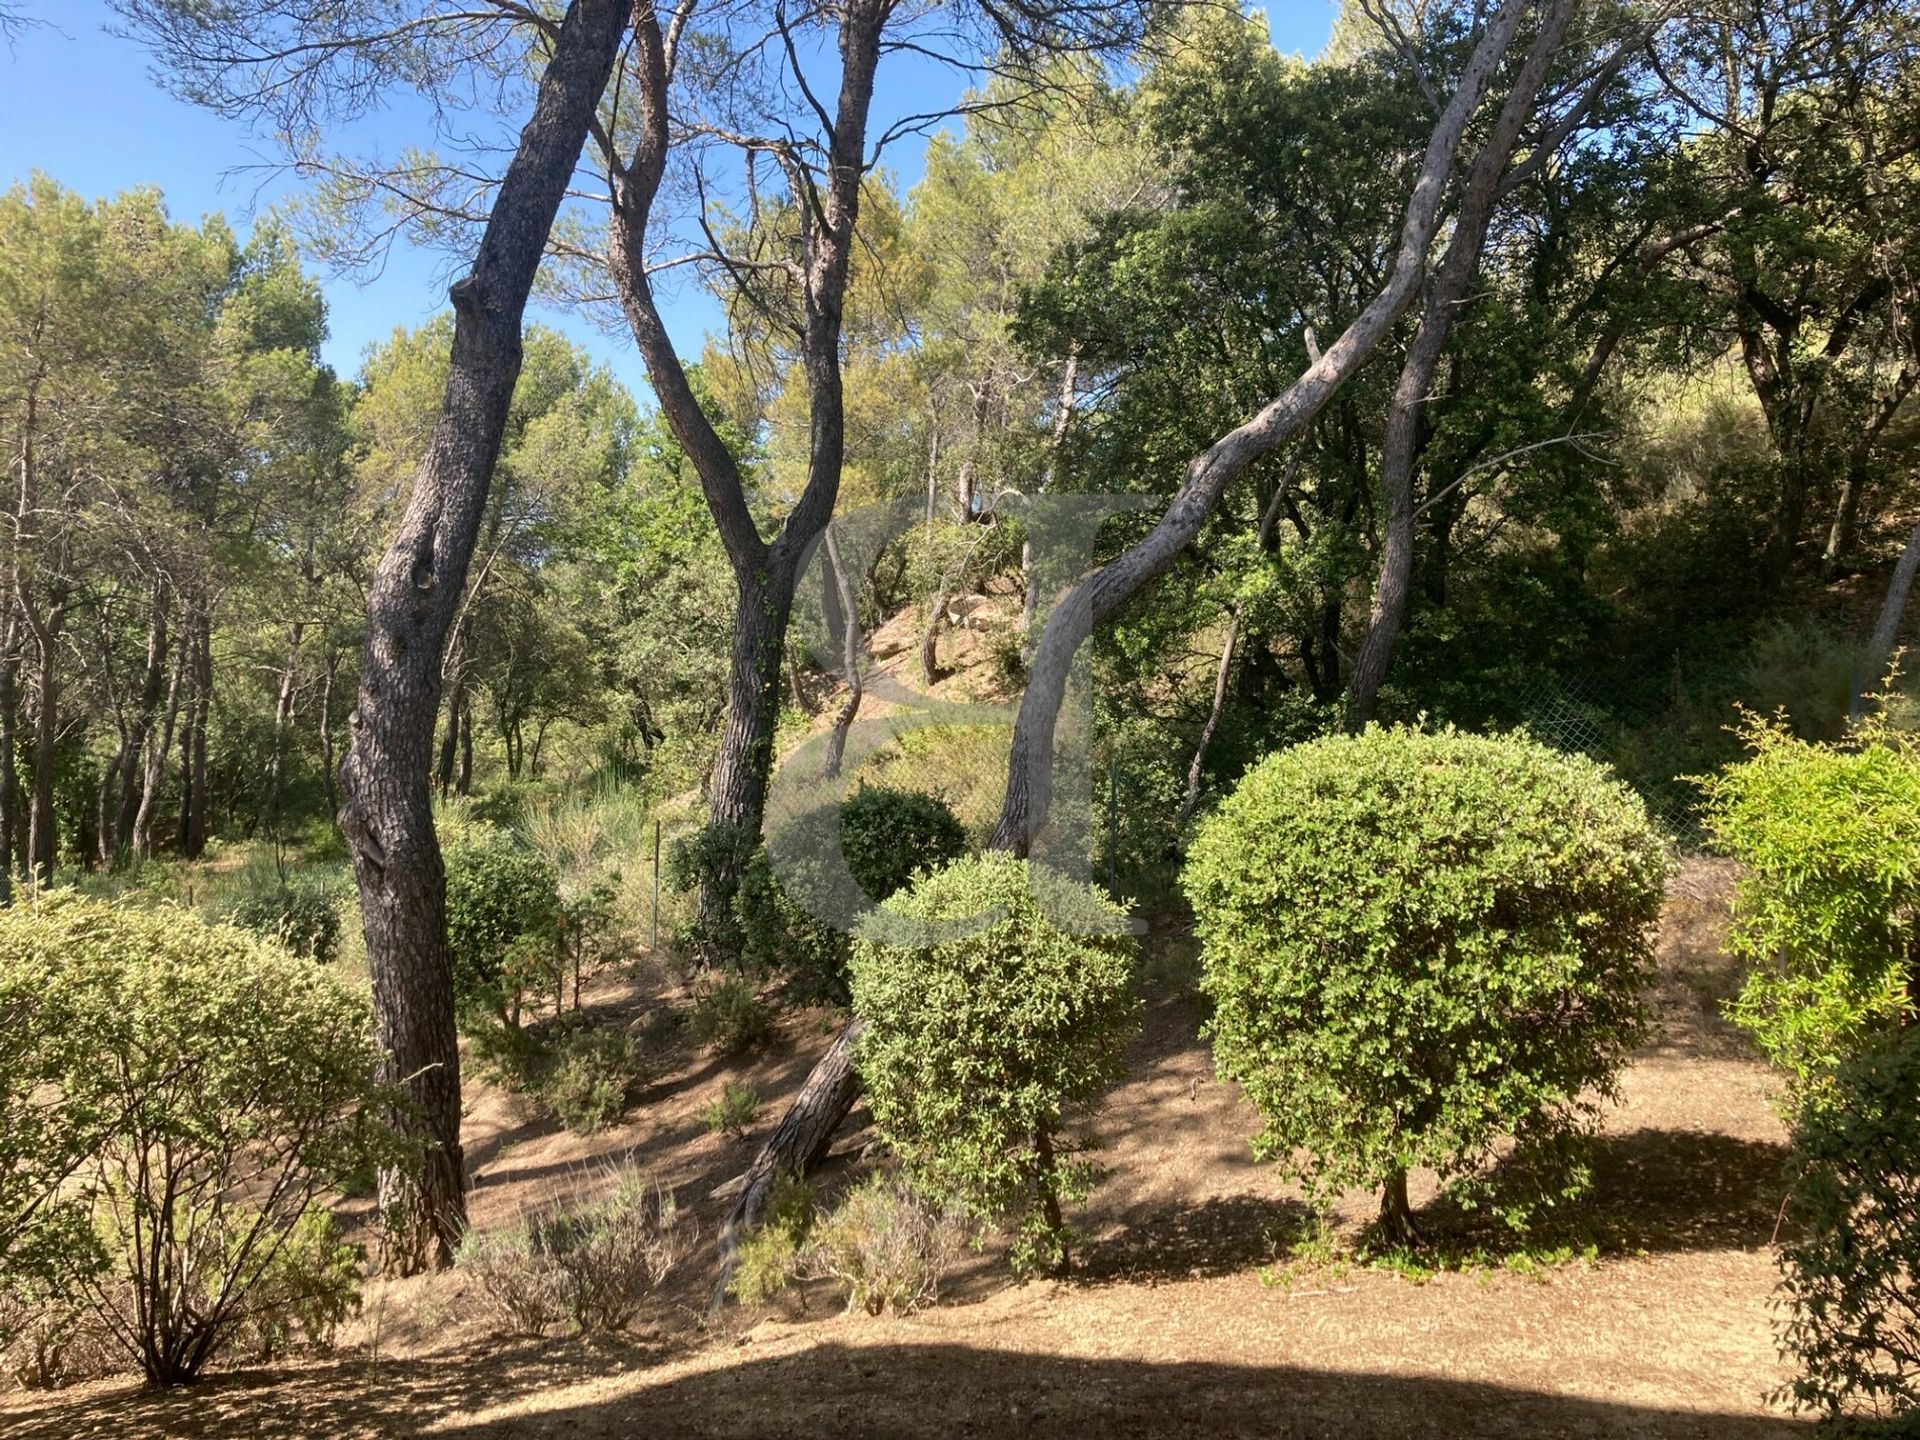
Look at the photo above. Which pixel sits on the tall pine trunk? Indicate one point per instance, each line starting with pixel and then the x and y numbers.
pixel 385 777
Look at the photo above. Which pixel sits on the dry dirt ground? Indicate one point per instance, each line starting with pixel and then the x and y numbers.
pixel 1187 1317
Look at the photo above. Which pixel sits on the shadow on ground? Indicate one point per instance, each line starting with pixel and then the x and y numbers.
pixel 905 1390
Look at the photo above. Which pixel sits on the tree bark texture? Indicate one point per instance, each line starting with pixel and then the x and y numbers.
pixel 797 1144
pixel 384 778
pixel 765 572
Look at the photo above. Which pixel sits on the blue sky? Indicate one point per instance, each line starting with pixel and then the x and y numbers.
pixel 80 104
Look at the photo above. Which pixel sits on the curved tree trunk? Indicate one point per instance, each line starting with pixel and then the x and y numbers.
pixel 1892 610
pixel 848 603
pixel 1023 808
pixel 387 815
pixel 1404 419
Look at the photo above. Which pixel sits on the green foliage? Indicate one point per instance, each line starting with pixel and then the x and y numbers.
pixel 501 906
pixel 890 1245
pixel 733 1111
pixel 885 836
pixel 587 1075
pixel 776 1253
pixel 179 1095
pixel 309 1288
pixel 889 835
pixel 591 1261
pixel 1420 943
pixel 1828 911
pixel 996 995
pixel 729 1017
pixel 1852 1306
pixel 779 931
pixel 301 913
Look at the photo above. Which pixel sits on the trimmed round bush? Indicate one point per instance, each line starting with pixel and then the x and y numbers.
pixel 996 997
pixel 887 835
pixel 1852 1278
pixel 1419 944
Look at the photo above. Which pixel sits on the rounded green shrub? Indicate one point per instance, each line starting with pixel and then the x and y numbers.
pixel 888 835
pixel 302 914
pixel 177 1096
pixel 501 904
pixel 1418 944
pixel 1828 909
pixel 1852 1301
pixel 996 997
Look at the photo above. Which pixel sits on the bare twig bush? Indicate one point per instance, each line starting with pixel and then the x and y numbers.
pixel 591 1261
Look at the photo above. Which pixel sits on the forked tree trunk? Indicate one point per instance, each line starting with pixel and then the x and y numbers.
pixel 387 816
pixel 765 573
pixel 1444 299
pixel 1024 806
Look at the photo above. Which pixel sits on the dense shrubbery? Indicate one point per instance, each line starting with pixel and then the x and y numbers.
pixel 729 1017
pixel 303 914
pixel 579 1072
pixel 783 912
pixel 176 1095
pixel 501 906
pixel 978 1039
pixel 1852 1282
pixel 1828 909
pixel 887 1244
pixel 591 1262
pixel 1418 944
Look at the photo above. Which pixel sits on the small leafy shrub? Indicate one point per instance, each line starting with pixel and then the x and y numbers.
pixel 1828 911
pixel 775 1254
pixel 310 1288
pixel 889 835
pixel 501 904
pixel 1851 1287
pixel 729 1018
pixel 980 1037
pixel 591 1262
pixel 733 1111
pixel 303 915
pixel 584 934
pixel 176 1097
pixel 1419 943
pixel 587 1074
pixel 780 931
pixel 890 1245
